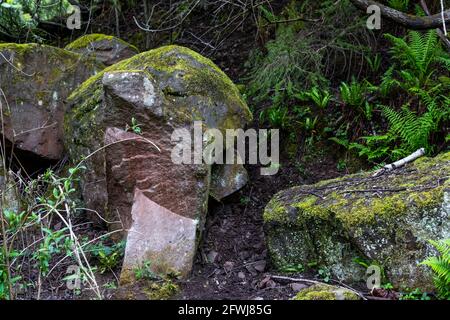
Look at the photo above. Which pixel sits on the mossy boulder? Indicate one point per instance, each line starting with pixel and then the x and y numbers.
pixel 326 292
pixel 384 220
pixel 107 50
pixel 147 98
pixel 36 80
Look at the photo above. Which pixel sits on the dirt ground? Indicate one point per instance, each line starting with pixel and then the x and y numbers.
pixel 232 262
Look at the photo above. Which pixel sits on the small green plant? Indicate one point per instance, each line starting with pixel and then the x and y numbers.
pixel 354 95
pixel 374 62
pixel 244 200
pixel 108 256
pixel 54 243
pixel 293 268
pixel 276 116
pixel 415 294
pixel 387 286
pixel 144 272
pixel 441 267
pixel 110 285
pixel 376 148
pixel 321 98
pixel 341 165
pixel 324 274
pixel 135 127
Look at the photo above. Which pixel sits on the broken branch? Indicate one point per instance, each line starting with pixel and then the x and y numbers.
pixel 400 163
pixel 405 19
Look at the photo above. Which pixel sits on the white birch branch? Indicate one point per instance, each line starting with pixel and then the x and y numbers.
pixel 400 163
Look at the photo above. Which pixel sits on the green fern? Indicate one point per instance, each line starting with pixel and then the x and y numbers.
pixel 413 130
pixel 388 82
pixel 355 95
pixel 441 267
pixel 321 98
pixel 418 53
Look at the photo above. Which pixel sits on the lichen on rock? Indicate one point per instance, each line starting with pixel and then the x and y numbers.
pixel 386 219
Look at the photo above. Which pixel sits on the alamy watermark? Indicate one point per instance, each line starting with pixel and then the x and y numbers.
pixel 74 20
pixel 374 20
pixel 208 147
pixel 374 277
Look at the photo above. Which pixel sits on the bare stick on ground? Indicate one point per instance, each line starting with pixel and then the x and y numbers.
pixel 400 163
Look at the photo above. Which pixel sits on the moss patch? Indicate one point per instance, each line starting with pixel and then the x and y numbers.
pixel 362 199
pixel 199 75
pixel 161 291
pixel 326 292
pixel 85 41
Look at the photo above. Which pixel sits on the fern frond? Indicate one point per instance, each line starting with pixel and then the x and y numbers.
pixel 444 61
pixel 441 267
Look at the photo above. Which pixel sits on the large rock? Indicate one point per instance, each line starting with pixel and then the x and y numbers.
pixel 105 49
pixel 36 80
pixel 132 183
pixel 385 220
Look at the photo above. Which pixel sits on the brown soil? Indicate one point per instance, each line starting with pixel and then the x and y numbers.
pixel 234 239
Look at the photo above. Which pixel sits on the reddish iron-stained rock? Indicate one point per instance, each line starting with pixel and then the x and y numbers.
pixel 36 81
pixel 142 99
pixel 137 164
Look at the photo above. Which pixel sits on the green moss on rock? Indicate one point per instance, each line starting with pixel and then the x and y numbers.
pixel 388 218
pixel 326 292
pixel 173 65
pixel 86 40
pixel 161 290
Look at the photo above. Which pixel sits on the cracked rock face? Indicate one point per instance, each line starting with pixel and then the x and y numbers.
pixel 134 107
pixel 35 94
pixel 384 221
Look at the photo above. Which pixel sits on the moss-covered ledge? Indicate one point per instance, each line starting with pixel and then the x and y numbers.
pixel 86 40
pixel 386 219
pixel 104 48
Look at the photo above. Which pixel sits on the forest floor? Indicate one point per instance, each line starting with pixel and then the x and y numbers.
pixel 232 262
